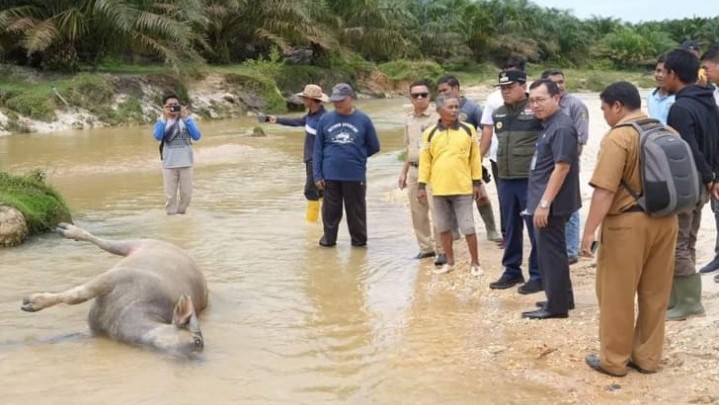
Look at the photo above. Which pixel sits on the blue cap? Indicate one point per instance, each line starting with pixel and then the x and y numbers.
pixel 341 91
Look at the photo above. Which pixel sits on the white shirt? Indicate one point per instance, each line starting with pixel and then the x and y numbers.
pixel 494 101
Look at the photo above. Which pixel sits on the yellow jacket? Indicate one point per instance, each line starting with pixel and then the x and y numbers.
pixel 451 160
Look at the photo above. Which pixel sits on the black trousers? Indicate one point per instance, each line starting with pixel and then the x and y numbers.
pixel 312 193
pixel 352 194
pixel 554 264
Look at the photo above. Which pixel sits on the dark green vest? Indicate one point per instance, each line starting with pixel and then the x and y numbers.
pixel 517 130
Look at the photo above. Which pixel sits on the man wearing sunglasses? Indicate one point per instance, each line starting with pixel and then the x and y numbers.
pixel 176 130
pixel 416 122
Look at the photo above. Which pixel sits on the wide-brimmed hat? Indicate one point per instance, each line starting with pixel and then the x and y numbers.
pixel 314 92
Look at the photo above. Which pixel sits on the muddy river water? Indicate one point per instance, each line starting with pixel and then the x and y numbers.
pixel 288 322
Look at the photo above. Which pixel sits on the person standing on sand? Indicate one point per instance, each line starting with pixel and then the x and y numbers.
pixel 695 116
pixel 471 113
pixel 450 164
pixel 488 142
pixel 636 251
pixel 312 97
pixel 517 131
pixel 578 112
pixel 710 63
pixel 175 131
pixel 416 122
pixel 660 100
pixel 552 197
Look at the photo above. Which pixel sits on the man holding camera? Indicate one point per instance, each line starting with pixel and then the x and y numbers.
pixel 175 130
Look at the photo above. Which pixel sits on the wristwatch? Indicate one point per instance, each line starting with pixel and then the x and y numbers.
pixel 543 204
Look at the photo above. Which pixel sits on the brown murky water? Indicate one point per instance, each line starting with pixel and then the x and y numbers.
pixel 288 322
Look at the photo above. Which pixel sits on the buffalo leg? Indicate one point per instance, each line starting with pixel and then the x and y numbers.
pixel 99 285
pixel 120 247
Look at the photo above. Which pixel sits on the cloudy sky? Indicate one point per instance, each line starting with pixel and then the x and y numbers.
pixel 637 10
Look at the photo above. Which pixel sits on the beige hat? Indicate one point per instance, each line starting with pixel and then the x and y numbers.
pixel 313 91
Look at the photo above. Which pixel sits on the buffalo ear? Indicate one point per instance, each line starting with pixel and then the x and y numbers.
pixel 183 311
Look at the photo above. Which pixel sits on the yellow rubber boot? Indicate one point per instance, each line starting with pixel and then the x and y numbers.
pixel 313 211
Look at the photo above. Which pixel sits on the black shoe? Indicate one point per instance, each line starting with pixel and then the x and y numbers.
pixel 711 267
pixel 592 361
pixel 641 370
pixel 440 260
pixel 359 244
pixel 530 287
pixel 421 255
pixel 324 243
pixel 716 278
pixel 573 260
pixel 542 314
pixel 505 282
pixel 543 304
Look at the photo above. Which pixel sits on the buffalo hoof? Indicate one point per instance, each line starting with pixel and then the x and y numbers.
pixel 28 305
pixel 70 231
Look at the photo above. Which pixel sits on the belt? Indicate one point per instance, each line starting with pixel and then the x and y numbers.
pixel 414 164
pixel 633 208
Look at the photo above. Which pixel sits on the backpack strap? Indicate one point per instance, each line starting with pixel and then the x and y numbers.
pixel 640 126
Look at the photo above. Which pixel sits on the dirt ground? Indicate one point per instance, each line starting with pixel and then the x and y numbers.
pixel 689 371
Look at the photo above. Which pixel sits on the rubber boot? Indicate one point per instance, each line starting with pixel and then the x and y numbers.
pixel 313 210
pixel 485 211
pixel 672 298
pixel 688 298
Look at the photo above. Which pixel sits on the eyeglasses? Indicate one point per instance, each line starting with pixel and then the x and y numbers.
pixel 419 95
pixel 538 100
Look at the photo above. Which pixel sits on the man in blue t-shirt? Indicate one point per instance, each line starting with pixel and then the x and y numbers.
pixel 345 139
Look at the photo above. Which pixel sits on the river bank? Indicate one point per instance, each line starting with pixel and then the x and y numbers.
pixel 40 102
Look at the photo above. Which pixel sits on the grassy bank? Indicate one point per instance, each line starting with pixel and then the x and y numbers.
pixel 120 94
pixel 41 205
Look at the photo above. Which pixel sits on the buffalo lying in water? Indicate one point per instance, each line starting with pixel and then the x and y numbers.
pixel 149 298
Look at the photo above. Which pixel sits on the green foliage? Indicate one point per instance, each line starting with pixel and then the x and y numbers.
pixel 267 67
pixel 74 35
pixel 35 100
pixel 41 205
pixel 268 97
pixel 292 78
pixel 404 70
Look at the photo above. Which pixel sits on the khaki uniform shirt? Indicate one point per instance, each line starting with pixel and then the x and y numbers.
pixel 414 127
pixel 618 159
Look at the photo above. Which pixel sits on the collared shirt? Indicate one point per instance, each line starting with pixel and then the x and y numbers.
pixel 716 93
pixel 618 159
pixel 578 112
pixel 658 105
pixel 414 127
pixel 558 144
pixel 494 101
pixel 449 159
pixel 470 112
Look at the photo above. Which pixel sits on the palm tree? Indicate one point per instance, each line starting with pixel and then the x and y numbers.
pixel 62 34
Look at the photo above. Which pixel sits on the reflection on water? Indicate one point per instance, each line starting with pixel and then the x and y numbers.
pixel 287 321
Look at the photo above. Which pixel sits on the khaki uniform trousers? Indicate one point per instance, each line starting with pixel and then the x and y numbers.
pixel 177 180
pixel 421 215
pixel 689 222
pixel 636 258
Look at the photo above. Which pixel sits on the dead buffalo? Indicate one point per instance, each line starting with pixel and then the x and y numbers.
pixel 149 298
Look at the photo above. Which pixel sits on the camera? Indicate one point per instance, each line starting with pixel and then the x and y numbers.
pixel 175 108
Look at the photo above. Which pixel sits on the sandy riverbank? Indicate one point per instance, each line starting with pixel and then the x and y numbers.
pixel 690 367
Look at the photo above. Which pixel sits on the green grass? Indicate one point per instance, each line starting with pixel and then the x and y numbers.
pixel 407 70
pixel 41 205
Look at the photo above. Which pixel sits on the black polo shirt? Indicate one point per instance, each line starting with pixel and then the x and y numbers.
pixel 558 143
